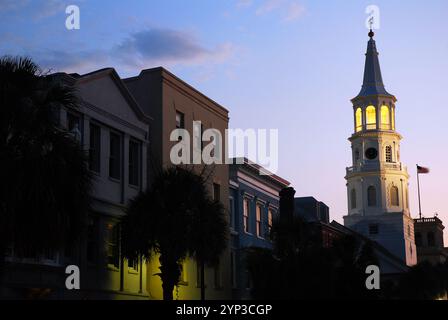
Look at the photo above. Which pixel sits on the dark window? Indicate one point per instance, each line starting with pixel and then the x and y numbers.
pixel 113 257
pixel 95 148
pixel 431 240
pixel 134 163
pixel 418 239
pixel 180 120
pixel 232 212
pixel 371 196
pixel 115 156
pixel 357 155
pixel 259 224
pixel 74 126
pixel 353 199
pixel 246 213
pixel 216 192
pixel 373 229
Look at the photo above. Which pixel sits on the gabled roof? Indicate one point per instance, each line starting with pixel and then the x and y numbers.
pixel 76 79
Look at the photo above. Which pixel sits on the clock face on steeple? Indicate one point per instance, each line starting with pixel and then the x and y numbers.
pixel 371 153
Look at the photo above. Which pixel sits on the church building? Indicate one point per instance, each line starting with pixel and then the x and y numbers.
pixel 377 182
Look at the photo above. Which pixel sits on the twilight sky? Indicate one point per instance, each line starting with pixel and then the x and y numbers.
pixel 287 64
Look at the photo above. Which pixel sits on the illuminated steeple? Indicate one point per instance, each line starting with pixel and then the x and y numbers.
pixel 373 81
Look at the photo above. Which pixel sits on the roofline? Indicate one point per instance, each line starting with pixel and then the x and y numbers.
pixel 97 74
pixel 168 74
pixel 258 168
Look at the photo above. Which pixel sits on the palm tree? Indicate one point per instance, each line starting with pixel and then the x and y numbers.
pixel 175 218
pixel 44 194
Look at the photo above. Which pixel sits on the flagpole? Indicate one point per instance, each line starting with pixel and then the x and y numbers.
pixel 419 199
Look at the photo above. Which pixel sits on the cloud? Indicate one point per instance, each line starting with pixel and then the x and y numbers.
pixel 295 11
pixel 167 46
pixel 10 5
pixel 140 50
pixel 50 8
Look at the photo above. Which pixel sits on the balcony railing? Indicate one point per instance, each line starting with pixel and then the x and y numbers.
pixel 366 166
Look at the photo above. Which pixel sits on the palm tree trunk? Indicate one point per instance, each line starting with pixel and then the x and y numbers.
pixel 202 280
pixel 169 274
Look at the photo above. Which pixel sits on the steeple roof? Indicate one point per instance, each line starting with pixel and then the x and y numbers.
pixel 373 81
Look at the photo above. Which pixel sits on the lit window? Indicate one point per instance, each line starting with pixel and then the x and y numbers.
pixel 246 215
pixel 371 118
pixel 371 196
pixel 385 118
pixel 394 199
pixel 393 118
pixel 358 119
pixel 388 154
pixel 270 217
pixel 259 223
pixel 180 120
pixel 353 199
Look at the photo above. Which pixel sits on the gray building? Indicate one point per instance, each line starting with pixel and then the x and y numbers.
pixel 254 205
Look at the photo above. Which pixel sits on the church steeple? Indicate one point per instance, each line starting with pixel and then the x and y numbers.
pixel 373 81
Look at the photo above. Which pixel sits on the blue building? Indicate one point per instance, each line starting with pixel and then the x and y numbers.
pixel 254 204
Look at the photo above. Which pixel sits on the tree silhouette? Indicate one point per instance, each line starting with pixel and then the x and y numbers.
pixel 44 194
pixel 176 218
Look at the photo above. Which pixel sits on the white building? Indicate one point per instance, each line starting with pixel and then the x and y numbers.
pixel 377 183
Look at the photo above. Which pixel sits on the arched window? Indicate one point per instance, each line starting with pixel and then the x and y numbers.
pixel 358 117
pixel 385 118
pixel 394 198
pixel 371 196
pixel 353 199
pixel 388 154
pixel 371 118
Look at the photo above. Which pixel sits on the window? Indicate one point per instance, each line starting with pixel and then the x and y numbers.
pixel 232 212
pixel 358 116
pixel 353 199
pixel 418 239
pixel 373 229
pixel 388 154
pixel 74 126
pixel 246 215
pixel 431 240
pixel 133 264
pixel 115 156
pixel 113 258
pixel 259 222
pixel 371 118
pixel 393 118
pixel 371 196
pixel 270 218
pixel 134 162
pixel 394 198
pixel 216 192
pixel 180 120
pixel 95 148
pixel 385 118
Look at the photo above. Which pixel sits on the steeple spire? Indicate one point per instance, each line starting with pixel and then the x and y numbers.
pixel 373 81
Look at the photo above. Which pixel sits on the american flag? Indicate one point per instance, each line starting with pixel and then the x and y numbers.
pixel 422 169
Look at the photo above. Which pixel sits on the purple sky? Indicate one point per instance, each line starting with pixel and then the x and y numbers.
pixel 287 64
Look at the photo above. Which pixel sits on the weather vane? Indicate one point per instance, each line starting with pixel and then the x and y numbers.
pixel 371 22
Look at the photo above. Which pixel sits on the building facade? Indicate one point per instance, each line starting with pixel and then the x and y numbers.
pixel 429 240
pixel 254 205
pixel 377 182
pixel 174 104
pixel 113 129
